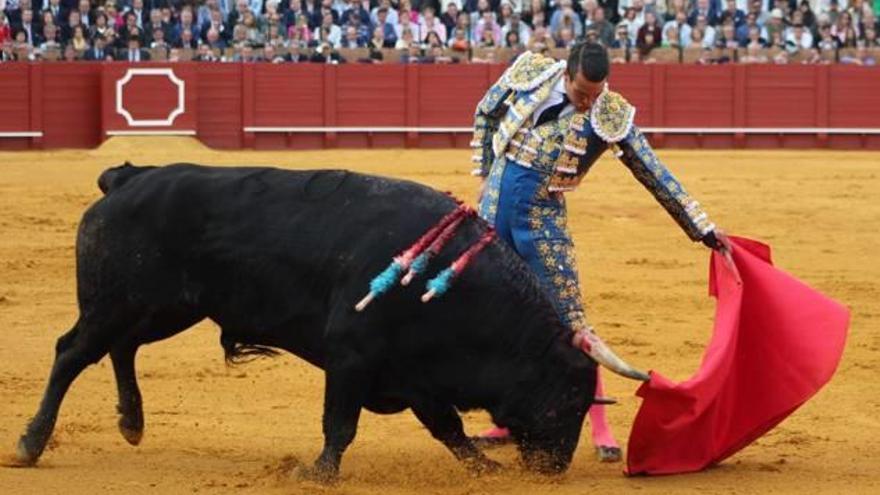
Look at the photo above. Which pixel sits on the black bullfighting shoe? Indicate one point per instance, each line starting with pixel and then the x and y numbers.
pixel 608 454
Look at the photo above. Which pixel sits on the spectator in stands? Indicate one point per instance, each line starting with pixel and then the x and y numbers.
pixel 377 41
pixel 754 55
pixel 351 38
pixel 682 30
pixel 621 37
pixel 809 17
pixel 79 41
pixel 28 26
pixel 462 24
pixel 827 43
pixel 363 30
pixel 129 26
pixel 861 57
pixel 187 40
pixel 706 9
pixel 459 41
pixel 773 26
pixel 389 34
pixel 487 39
pixel 708 32
pixel 86 14
pixel 511 40
pixel 355 7
pixel 154 23
pixel 299 35
pixel 487 24
pixel 272 34
pixel 565 38
pixel 98 51
pixel 236 16
pixel 632 22
pixel 325 54
pixel 246 53
pixel 449 18
pixel 650 27
pixel 215 22
pixel 203 13
pixel 604 29
pixel 7 50
pixel 66 32
pixel 59 13
pixel 114 16
pixel 672 37
pixel 871 38
pixel 754 38
pixel 515 25
pixel 134 52
pixel 390 13
pixel 800 37
pixel 540 40
pixel 100 26
pixel 159 42
pixel 272 25
pixel 405 40
pixel 213 40
pixel 646 44
pixel 328 32
pixel 732 12
pixel 844 30
pixel 726 39
pixel 742 31
pixel 405 22
pixel 69 54
pixel 50 38
pixel 430 24
pixel 271 56
pixel 205 54
pixel 253 28
pixel 565 17
pixel 5 29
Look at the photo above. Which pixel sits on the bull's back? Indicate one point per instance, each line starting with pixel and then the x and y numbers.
pixel 260 238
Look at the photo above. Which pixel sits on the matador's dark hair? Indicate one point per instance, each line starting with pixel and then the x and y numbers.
pixel 590 59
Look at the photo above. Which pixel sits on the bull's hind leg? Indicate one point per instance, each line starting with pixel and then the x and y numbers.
pixel 444 423
pixel 157 327
pixel 74 351
pixel 130 406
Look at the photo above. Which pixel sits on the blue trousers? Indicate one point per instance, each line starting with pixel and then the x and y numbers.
pixel 533 222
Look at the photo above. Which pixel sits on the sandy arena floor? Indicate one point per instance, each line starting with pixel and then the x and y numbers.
pixel 212 429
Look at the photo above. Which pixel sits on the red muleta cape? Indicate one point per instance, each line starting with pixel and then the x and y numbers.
pixel 776 342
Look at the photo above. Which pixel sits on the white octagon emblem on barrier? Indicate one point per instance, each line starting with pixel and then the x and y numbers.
pixel 169 73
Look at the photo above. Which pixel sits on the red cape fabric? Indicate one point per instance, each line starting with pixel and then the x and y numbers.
pixel 776 342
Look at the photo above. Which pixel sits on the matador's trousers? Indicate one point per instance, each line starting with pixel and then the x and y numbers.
pixel 533 222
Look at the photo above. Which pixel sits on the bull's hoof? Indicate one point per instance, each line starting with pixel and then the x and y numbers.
pixel 317 474
pixel 483 442
pixel 132 436
pixel 608 454
pixel 24 456
pixel 482 466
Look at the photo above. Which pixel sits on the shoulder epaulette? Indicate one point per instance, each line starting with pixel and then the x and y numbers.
pixel 530 71
pixel 612 116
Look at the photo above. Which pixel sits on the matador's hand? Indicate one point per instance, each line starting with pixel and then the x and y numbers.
pixel 719 241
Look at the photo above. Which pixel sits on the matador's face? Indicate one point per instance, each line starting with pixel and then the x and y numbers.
pixel 582 92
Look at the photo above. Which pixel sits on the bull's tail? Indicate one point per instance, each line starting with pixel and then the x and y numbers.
pixel 114 177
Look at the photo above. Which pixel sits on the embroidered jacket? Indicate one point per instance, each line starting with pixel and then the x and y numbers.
pixel 568 147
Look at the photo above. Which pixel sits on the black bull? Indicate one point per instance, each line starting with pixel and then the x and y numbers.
pixel 278 259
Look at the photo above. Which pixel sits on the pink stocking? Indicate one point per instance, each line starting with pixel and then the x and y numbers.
pixel 602 436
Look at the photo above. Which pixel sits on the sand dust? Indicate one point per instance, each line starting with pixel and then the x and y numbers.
pixel 212 429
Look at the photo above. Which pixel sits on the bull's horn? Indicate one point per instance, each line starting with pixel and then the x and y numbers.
pixel 590 343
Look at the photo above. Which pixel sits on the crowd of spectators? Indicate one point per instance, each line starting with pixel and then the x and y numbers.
pixel 430 30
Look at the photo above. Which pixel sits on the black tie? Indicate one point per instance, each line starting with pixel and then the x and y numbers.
pixel 553 111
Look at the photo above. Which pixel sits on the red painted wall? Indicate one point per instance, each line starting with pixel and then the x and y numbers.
pixel 74 104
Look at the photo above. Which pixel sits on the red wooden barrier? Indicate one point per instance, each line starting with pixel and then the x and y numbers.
pixel 299 106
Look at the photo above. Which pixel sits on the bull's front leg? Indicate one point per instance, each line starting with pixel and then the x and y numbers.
pixel 444 423
pixel 347 383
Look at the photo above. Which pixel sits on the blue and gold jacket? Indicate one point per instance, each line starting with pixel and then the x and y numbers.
pixel 567 148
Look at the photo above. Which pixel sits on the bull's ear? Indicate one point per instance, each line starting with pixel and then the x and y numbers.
pixel 127 164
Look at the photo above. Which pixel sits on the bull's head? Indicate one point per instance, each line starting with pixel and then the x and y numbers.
pixel 550 419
